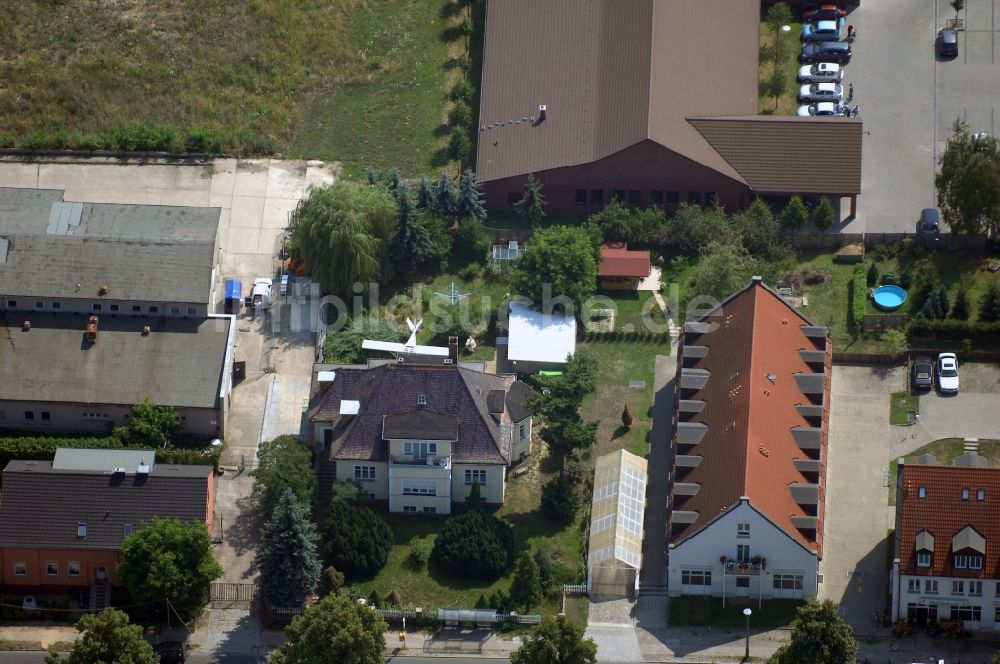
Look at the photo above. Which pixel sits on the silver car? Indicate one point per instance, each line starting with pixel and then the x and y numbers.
pixel 822 72
pixel 821 92
pixel 820 108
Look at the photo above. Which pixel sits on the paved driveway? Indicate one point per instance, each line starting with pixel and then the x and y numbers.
pixel 909 100
pixel 854 563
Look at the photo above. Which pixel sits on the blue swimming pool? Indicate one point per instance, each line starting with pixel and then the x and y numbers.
pixel 889 298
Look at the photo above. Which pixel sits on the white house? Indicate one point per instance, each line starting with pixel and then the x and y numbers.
pixel 417 437
pixel 945 564
pixel 748 480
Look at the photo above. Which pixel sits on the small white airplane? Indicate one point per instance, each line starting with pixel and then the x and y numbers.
pixel 410 347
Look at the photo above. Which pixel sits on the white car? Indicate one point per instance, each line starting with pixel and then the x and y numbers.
pixel 821 92
pixel 820 108
pixel 822 72
pixel 947 373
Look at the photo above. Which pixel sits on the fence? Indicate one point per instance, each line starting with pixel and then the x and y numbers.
pixel 832 241
pixel 842 357
pixel 575 589
pixel 232 595
pixel 506 235
pixel 881 322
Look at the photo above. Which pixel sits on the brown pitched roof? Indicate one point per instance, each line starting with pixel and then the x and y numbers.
pixel 391 390
pixel 611 75
pixel 789 154
pixel 42 507
pixel 752 355
pixel 619 261
pixel 943 515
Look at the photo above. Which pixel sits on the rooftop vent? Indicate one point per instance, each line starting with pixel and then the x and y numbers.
pixel 118 470
pixel 143 469
pixel 542 109
pixel 26 325
pixel 92 329
pixel 772 378
pixel 145 330
pixel 103 289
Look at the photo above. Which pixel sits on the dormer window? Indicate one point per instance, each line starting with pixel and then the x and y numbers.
pixel 81 530
pixel 923 559
pixel 962 561
pixel 965 495
pixel 922 492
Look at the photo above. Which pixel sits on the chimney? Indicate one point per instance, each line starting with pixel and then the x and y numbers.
pixel 145 330
pixel 453 349
pixel 92 329
pixel 103 290
pixel 26 325
pixel 541 112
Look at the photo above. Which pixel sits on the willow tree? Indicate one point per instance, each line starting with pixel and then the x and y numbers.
pixel 342 232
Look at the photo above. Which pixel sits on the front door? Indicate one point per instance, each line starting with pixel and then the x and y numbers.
pixel 101 573
pixel 743 586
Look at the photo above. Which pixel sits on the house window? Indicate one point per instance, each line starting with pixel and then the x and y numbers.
pixel 472 475
pixel 364 473
pixel 136 309
pixel 46 417
pixel 73 568
pixel 976 588
pixel 922 492
pixel 420 450
pixel 743 582
pixel 12 303
pixel 974 613
pixel 126 529
pixel 175 310
pixel 597 197
pixel 743 553
pixel 421 399
pixel 967 562
pixel 980 495
pixel 3 415
pixel 153 309
pixel 523 431
pixel 57 305
pixel 711 198
pixel 656 197
pixel 618 195
pixel 409 509
pixel 787 582
pixel 81 530
pixel 513 197
pixel 965 494
pixel 51 568
pixel 581 197
pixel 409 490
pixel 673 199
pixel 113 307
pixel 191 311
pixel 20 568
pixel 923 559
pixel 930 586
pixel 913 586
pixel 694 197
pixel 29 416
pixel 743 530
pixel 958 587
pixel 634 198
pixel 96 307
pixel 430 510
pixel 39 304
pixel 696 578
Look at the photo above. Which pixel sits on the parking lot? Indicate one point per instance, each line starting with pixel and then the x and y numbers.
pixel 909 100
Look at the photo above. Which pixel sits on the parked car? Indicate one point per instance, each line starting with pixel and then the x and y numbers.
pixel 823 12
pixel 822 30
pixel 821 92
pixel 171 652
pixel 822 72
pixel 923 373
pixel 930 221
pixel 947 43
pixel 836 51
pixel 947 373
pixel 820 108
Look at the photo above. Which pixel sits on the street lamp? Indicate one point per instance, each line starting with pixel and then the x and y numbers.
pixel 747 613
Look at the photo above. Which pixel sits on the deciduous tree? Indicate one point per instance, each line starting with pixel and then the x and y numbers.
pixel 795 215
pixel 562 256
pixel 283 464
pixel 106 638
pixel 725 267
pixel 337 629
pixel 288 558
pixel 150 425
pixel 556 640
pixel 819 636
pixel 171 560
pixel 968 185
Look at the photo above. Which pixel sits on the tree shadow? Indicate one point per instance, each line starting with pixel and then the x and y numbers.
pixel 619 432
pixel 440 158
pixel 549 464
pixel 451 34
pixel 457 62
pixel 442 130
pixel 450 9
pixel 445 579
pixel 243 535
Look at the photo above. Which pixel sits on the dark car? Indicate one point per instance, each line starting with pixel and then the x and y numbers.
pixel 171 652
pixel 947 43
pixel 832 51
pixel 923 373
pixel 824 12
pixel 930 221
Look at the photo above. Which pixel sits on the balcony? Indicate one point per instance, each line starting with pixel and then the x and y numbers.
pixel 431 462
pixel 755 567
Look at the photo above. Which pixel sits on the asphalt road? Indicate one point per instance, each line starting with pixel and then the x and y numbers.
pixel 39 657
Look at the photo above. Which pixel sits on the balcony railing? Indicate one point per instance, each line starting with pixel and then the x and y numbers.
pixel 743 568
pixel 435 462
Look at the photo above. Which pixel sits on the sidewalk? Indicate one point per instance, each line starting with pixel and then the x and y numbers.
pixel 46 635
pixel 450 642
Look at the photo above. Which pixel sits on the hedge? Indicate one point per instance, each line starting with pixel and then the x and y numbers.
pixel 643 336
pixel 953 330
pixel 44 448
pixel 859 296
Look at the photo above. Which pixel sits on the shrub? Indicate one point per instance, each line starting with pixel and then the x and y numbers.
pixel 461 92
pixel 420 552
pixel 872 277
pixel 859 296
pixel 560 499
pixel 472 240
pixel 201 139
pixel 331 581
pixel 475 545
pixel 460 146
pixel 460 117
pixel 950 329
pixel 960 307
pixel 355 539
pixel 989 306
pixel 544 562
pixel 471 272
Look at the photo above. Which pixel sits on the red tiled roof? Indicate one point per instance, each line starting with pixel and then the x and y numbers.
pixel 944 514
pixel 619 261
pixel 748 448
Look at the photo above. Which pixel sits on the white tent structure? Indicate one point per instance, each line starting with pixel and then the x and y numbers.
pixel 615 546
pixel 537 339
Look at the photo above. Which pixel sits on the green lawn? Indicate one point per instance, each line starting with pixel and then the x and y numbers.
pixel 945 450
pixel 577 610
pixel 786 103
pixel 690 610
pixel 357 80
pixel 635 311
pixel 900 405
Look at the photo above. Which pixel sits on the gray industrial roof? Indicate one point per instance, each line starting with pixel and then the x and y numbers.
pixel 73 267
pixel 178 364
pixel 45 508
pixel 73 458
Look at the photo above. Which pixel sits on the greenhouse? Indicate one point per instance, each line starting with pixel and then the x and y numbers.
pixel 615 546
